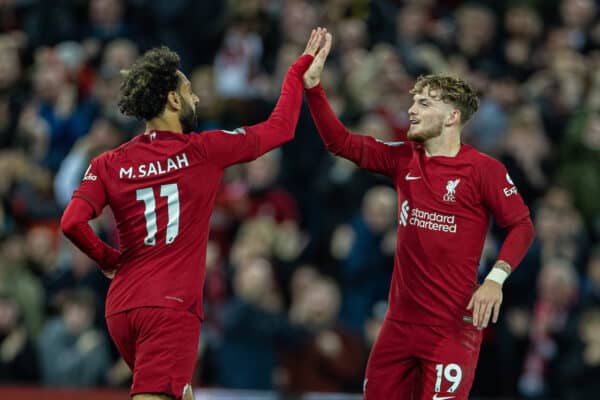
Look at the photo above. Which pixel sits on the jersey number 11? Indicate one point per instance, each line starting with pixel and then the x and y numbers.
pixel 171 192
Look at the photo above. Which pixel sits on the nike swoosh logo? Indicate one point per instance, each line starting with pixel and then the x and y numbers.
pixel 411 178
pixel 435 397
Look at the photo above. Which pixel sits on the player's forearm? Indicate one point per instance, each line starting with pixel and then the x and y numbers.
pixel 337 139
pixel 279 128
pixel 519 238
pixel 75 226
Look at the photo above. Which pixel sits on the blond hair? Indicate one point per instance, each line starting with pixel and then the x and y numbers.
pixel 453 90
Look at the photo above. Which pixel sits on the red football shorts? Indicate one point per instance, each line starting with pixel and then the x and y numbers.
pixel 160 345
pixel 420 362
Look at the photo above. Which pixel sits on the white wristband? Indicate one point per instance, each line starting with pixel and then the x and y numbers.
pixel 497 275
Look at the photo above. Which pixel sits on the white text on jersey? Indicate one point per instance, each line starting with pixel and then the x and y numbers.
pixel 158 167
pixel 432 221
pixel 88 176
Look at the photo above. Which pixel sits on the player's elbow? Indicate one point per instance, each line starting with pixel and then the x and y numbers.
pixel 288 134
pixel 68 223
pixel 339 147
pixel 333 148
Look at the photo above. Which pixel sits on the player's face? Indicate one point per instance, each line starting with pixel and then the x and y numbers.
pixel 427 115
pixel 187 115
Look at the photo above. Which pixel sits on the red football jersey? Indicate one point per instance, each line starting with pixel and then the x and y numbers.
pixel 161 188
pixel 444 210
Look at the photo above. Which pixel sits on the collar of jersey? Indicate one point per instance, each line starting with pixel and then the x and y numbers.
pixel 158 135
pixel 464 148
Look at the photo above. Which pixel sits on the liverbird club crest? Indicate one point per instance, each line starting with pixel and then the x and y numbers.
pixel 451 190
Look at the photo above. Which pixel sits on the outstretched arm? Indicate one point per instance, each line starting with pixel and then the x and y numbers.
pixel 337 139
pixel 365 151
pixel 279 128
pixel 225 148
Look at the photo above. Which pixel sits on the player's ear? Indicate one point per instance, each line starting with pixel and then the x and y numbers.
pixel 453 118
pixel 173 101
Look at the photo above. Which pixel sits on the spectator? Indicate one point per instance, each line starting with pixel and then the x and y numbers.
pixel 105 134
pixel 72 352
pixel 12 94
pixel 18 358
pixel 557 291
pixel 580 366
pixel 579 160
pixel 76 272
pixel 253 325
pixel 365 248
pixel 20 284
pixel 52 122
pixel 590 291
pixel 107 21
pixel 535 66
pixel 332 358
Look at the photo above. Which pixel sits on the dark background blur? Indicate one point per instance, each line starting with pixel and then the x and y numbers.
pixel 302 243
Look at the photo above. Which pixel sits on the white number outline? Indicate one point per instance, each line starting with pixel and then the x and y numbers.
pixel 171 192
pixel 453 374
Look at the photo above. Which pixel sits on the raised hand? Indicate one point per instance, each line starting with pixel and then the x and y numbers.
pixel 314 41
pixel 312 76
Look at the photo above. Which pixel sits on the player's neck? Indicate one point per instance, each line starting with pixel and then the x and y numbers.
pixel 447 145
pixel 163 123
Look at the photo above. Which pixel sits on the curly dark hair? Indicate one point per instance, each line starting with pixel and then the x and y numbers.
pixel 146 85
pixel 453 90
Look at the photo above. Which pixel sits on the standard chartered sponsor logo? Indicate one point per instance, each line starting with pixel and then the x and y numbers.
pixel 404 213
pixel 431 220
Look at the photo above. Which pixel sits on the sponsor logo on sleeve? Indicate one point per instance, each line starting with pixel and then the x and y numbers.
pixel 88 176
pixel 509 191
pixel 509 180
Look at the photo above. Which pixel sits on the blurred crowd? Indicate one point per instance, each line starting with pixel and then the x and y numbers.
pixel 301 248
